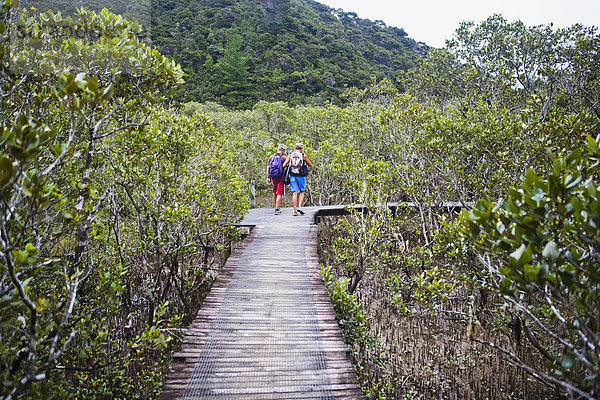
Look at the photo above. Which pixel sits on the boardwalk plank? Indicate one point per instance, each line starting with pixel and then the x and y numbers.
pixel 267 330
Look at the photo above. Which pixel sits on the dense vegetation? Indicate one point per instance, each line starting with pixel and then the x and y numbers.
pixel 237 52
pixel 116 208
pixel 113 211
pixel 504 112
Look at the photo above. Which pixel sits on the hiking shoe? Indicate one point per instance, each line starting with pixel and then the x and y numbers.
pixel 300 211
pixel 277 212
pixel 295 213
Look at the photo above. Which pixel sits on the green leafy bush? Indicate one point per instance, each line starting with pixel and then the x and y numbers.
pixel 113 209
pixel 539 249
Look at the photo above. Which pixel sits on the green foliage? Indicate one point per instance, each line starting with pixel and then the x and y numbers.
pixel 112 211
pixel 507 65
pixel 543 241
pixel 234 73
pixel 362 242
pixel 493 106
pixel 298 51
pixel 349 314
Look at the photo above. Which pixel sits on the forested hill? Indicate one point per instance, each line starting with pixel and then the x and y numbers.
pixel 237 52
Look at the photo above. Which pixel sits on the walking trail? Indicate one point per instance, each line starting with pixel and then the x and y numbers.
pixel 267 330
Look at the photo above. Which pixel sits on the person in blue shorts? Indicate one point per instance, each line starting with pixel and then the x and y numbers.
pixel 299 163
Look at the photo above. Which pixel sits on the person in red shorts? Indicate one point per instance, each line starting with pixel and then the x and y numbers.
pixel 275 176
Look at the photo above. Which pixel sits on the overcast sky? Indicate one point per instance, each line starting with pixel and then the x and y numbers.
pixel 434 21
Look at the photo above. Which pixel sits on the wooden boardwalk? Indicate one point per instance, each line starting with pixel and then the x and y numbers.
pixel 267 330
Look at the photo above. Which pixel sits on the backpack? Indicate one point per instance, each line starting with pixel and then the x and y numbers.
pixel 296 161
pixel 275 168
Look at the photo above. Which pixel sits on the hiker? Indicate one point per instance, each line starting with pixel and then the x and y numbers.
pixel 299 164
pixel 275 175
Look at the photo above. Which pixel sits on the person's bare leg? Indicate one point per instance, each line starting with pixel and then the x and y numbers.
pixel 278 201
pixel 295 200
pixel 275 200
pixel 300 202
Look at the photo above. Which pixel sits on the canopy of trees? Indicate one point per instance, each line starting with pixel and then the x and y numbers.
pixel 239 52
pixel 113 208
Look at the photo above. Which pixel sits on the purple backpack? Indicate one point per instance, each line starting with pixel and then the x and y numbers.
pixel 275 168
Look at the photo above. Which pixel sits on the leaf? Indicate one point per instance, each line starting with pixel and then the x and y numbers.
pixel 6 169
pixel 574 157
pixel 507 285
pixel 521 256
pixel 571 181
pixel 568 361
pixel 531 272
pixel 81 80
pixel 20 255
pixel 551 251
pixel 590 381
pixel 500 227
pixel 538 195
pixel 108 92
pixel 76 103
pixel 31 248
